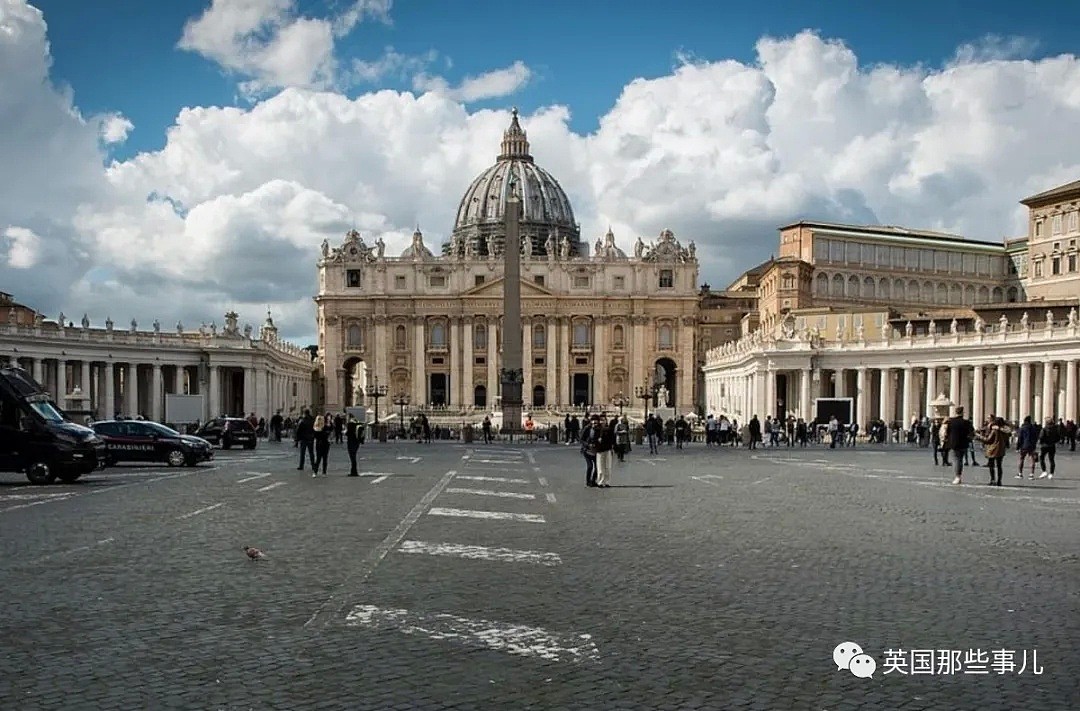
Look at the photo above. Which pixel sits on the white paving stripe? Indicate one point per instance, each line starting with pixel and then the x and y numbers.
pixel 519 640
pixel 253 478
pixel 455 550
pixel 542 480
pixel 499 479
pixel 490 492
pixel 380 551
pixel 495 515
pixel 275 485
pixel 80 549
pixel 550 498
pixel 200 511
pixel 498 461
pixel 378 479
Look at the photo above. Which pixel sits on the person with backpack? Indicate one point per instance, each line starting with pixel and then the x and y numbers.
pixel 1048 441
pixel 605 443
pixel 1026 440
pixel 354 435
pixel 995 441
pixel 622 438
pixel 589 439
pixel 305 439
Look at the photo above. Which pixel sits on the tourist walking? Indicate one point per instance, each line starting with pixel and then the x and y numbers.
pixel 754 429
pixel 589 437
pixel 605 443
pixel 354 435
pixel 995 441
pixel 1048 441
pixel 682 431
pixel 1026 439
pixel 834 431
pixel 305 438
pixel 485 428
pixel 958 433
pixel 622 438
pixel 324 427
pixel 275 426
pixel 652 433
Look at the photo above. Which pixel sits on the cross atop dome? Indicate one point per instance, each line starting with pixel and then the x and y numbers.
pixel 515 145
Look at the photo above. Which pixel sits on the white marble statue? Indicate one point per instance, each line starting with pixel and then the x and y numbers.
pixel 598 248
pixel 380 248
pixel 134 326
pixel 980 325
pixel 157 326
pixel 909 330
pixel 326 248
pixel 1049 319
pixel 954 327
pixel 179 328
pixel 1072 316
pixel 549 246
pixel 61 320
pixel 639 248
pixel 491 246
pixel 662 396
pixel 932 328
pixel 691 249
pixel 1003 323
pixel 564 248
pixel 526 247
pixel 85 321
pixel 1025 322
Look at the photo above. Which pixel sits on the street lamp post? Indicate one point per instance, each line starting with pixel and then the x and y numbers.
pixel 376 391
pixel 401 400
pixel 645 393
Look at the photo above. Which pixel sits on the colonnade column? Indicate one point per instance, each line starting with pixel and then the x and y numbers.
pixel 1001 403
pixel 178 380
pixel 156 412
pixel 954 385
pixel 1070 391
pixel 769 397
pixel 419 377
pixel 907 410
pixel 38 370
pixel 551 387
pixel 600 361
pixel 884 398
pixel 931 385
pixel 861 397
pixel 839 383
pixel 214 396
pixel 455 396
pixel 467 360
pixel 805 403
pixel 977 408
pixel 1025 392
pixel 109 408
pixel 131 390
pixel 1048 394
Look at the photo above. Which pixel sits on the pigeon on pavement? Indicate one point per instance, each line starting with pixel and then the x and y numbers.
pixel 254 553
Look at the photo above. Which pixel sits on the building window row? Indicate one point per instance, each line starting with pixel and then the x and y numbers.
pixel 889 257
pixel 839 286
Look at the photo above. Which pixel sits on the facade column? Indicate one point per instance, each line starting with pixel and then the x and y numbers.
pixel 551 386
pixel 467 360
pixel 455 395
pixel 526 362
pixel 600 361
pixel 954 385
pixel 60 384
pixel 861 397
pixel 492 361
pixel 214 396
pixel 1001 402
pixel 907 408
pixel 1049 399
pixel 931 386
pixel 977 408
pixel 565 396
pixel 109 409
pixel 1070 391
pixel 839 383
pixel 249 391
pixel 805 403
pixel 1025 392
pixel 178 380
pixel 642 370
pixel 157 414
pixel 885 413
pixel 419 353
pixel 38 370
pixel 769 394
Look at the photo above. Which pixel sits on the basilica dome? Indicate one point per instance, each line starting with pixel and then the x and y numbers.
pixel 546 210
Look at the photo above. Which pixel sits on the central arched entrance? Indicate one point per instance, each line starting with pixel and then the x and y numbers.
pixel 353 379
pixel 664 376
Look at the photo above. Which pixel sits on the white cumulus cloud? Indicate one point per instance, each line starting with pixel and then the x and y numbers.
pixel 115 128
pixel 24 247
pixel 489 85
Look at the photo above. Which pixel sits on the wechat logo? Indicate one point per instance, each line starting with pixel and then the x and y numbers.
pixel 850 656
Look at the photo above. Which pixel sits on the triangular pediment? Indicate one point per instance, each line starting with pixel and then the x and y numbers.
pixel 495 289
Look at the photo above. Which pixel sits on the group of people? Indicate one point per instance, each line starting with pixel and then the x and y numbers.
pixel 600 440
pixel 956 436
pixel 313 439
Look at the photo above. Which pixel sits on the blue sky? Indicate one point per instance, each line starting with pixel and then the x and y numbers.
pixel 121 55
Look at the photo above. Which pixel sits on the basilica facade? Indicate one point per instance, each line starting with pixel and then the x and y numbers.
pixel 597 323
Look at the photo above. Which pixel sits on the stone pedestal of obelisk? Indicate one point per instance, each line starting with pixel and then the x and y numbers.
pixel 511 341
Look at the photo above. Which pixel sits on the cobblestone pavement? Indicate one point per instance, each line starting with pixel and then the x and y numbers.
pixel 475 577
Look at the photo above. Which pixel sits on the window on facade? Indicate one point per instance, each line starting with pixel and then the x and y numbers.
pixel 821 285
pixel 1072 262
pixel 438 335
pixel 399 338
pixel 926 259
pixel 355 336
pixel 1056 224
pixel 868 288
pixel 941 260
pixel 352 278
pixel 437 281
pixel 1074 221
pixel 538 279
pixel 969 264
pixel 667 278
pixel 821 250
pixel 664 337
pixel 956 262
pixel 882 256
pixel 479 336
pixel 788 281
pixel 1038 228
pixel 539 340
pixel 1055 266
pixel 399 282
pixel 581 282
pixel 1038 269
pixel 984 265
pixel 617 337
pixel 620 282
pixel 581 334
pixel 837 285
pixel 912 258
pixel 836 251
pixel 478 280
pixel 897 256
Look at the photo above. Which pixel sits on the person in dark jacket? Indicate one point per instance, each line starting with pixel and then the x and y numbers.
pixel 305 438
pixel 755 432
pixel 1048 441
pixel 275 426
pixel 995 442
pixel 682 431
pixel 589 439
pixel 958 434
pixel 323 428
pixel 353 431
pixel 605 443
pixel 1026 440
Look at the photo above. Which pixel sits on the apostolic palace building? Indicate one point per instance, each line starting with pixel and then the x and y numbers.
pixel 894 318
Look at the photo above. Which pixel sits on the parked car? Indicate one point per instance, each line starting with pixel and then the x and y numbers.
pixel 142 441
pixel 228 431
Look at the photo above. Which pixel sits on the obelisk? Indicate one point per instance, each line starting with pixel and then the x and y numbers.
pixel 511 341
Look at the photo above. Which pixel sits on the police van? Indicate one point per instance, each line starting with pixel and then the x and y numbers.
pixel 37 438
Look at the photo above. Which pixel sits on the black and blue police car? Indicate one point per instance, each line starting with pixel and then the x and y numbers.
pixel 145 441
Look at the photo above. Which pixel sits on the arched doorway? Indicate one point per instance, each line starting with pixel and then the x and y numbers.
pixel 539 398
pixel 480 396
pixel 664 375
pixel 582 389
pixel 353 378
